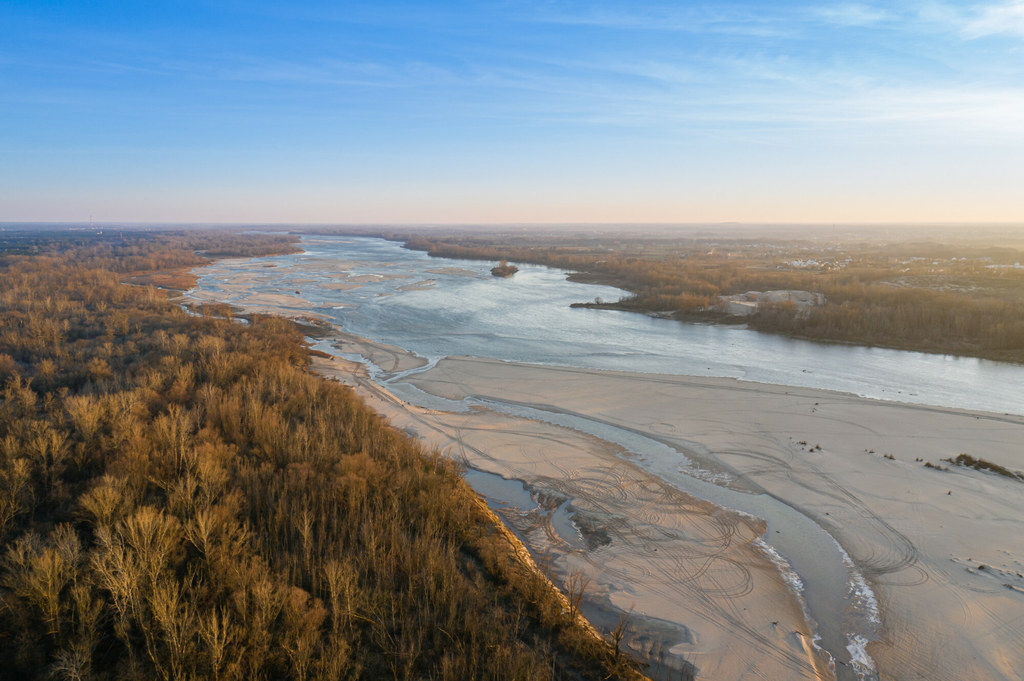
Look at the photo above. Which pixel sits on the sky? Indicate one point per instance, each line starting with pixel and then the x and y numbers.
pixel 512 111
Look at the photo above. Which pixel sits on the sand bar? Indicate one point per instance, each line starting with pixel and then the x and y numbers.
pixel 918 535
pixel 694 577
pixel 943 551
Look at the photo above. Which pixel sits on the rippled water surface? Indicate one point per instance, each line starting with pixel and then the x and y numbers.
pixel 438 307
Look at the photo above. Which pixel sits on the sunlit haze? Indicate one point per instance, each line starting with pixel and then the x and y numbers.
pixel 512 112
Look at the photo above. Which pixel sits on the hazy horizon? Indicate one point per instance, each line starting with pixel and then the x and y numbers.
pixel 770 228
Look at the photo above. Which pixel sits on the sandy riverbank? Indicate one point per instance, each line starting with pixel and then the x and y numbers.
pixel 918 535
pixel 696 577
pixel 653 550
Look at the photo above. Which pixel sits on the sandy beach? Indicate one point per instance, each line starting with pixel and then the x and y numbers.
pixel 942 550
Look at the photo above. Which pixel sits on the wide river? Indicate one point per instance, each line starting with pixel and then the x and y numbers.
pixel 439 307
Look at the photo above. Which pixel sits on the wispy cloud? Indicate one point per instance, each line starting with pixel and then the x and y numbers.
pixel 854 14
pixel 979 112
pixel 335 73
pixel 405 84
pixel 970 21
pixel 766 99
pixel 1006 18
pixel 700 19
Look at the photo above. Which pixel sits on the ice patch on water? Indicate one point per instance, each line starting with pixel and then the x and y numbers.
pixel 863 665
pixel 863 601
pixel 796 586
pixel 861 594
pixel 789 575
pixel 721 479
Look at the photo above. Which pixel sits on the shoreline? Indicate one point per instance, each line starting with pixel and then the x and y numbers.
pixel 925 429
pixel 837 585
pixel 716 318
pixel 254 284
pixel 936 432
pixel 822 451
pixel 801 656
pixel 726 320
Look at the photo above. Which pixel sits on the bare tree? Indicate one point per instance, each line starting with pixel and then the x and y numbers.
pixel 575 586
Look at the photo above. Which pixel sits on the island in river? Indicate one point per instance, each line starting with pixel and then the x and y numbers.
pixel 503 269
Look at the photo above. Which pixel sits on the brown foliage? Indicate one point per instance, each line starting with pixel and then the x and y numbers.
pixel 180 499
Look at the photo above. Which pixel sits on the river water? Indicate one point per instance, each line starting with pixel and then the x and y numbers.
pixel 439 307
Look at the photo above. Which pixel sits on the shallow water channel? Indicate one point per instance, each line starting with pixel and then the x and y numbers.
pixel 834 595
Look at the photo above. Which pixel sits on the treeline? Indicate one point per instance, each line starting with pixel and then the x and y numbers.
pixel 913 318
pixel 874 298
pixel 181 499
pixel 130 251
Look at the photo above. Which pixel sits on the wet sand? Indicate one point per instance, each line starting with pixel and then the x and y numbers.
pixel 919 536
pixel 696 573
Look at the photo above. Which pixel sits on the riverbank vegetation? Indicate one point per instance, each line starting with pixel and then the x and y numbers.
pixel 181 499
pixel 963 299
pixel 503 269
pixel 967 461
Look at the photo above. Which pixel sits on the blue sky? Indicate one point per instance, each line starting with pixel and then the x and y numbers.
pixel 512 111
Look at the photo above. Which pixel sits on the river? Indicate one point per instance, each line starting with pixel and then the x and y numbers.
pixel 437 307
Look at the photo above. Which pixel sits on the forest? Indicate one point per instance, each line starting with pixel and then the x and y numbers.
pixel 180 498
pixel 915 295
